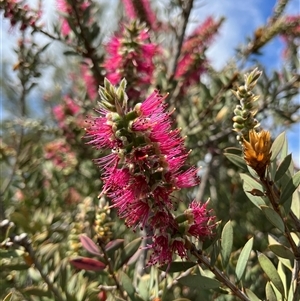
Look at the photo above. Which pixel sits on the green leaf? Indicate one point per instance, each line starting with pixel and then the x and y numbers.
pixel 199 282
pixel 283 167
pixel 243 258
pixel 282 251
pixel 35 291
pixel 290 187
pixel 236 160
pixel 8 297
pixel 273 217
pixel 214 254
pixel 295 207
pixel 249 184
pixel 15 266
pixel 10 254
pixel 251 295
pixel 270 294
pixel 226 243
pixel 127 285
pixel 70 52
pixel 48 250
pixel 277 145
pixel 144 288
pixel 268 267
pixel 177 266
pixel 127 252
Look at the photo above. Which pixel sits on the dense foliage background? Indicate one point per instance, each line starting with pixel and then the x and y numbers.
pixel 49 182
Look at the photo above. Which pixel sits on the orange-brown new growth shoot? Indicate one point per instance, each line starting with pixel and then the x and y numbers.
pixel 257 151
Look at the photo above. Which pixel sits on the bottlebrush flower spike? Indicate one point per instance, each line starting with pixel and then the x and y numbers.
pixel 131 55
pixel 146 163
pixel 140 9
pixel 192 62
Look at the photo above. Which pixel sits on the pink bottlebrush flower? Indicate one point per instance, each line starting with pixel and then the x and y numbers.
pixel 20 13
pixel 292 34
pixel 140 9
pixel 66 9
pixel 65 114
pixel 192 62
pixel 146 164
pixel 131 55
pixel 59 152
pixel 200 220
pixel 68 108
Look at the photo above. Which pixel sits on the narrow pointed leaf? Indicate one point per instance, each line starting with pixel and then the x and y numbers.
pixel 270 294
pixel 226 243
pixel 88 264
pixel 236 160
pixel 243 259
pixel 249 184
pixel 114 245
pixel 273 217
pixel 127 252
pixel 251 295
pixel 199 282
pixel 89 245
pixel 8 297
pixel 290 187
pixel 35 291
pixel 177 266
pixel 271 272
pixel 277 145
pixel 127 285
pixel 282 251
pixel 283 167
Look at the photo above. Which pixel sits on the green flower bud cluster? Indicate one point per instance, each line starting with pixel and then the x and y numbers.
pixel 113 99
pixel 103 223
pixel 244 120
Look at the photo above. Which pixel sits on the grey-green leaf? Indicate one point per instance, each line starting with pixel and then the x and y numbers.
pixel 277 145
pixel 283 167
pixel 236 160
pixel 273 218
pixel 268 267
pixel 243 258
pixel 270 294
pixel 251 295
pixel 226 243
pixel 282 251
pixel 290 187
pixel 248 185
pixel 127 252
pixel 177 266
pixel 127 285
pixel 199 282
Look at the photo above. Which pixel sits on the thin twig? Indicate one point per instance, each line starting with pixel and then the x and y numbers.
pixel 202 259
pixel 112 272
pixel 90 51
pixel 39 267
pixel 186 11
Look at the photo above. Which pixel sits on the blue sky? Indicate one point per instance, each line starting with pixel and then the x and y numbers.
pixel 242 17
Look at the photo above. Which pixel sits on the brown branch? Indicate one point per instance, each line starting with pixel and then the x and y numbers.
pixel 111 270
pixel 90 51
pixel 186 11
pixel 203 260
